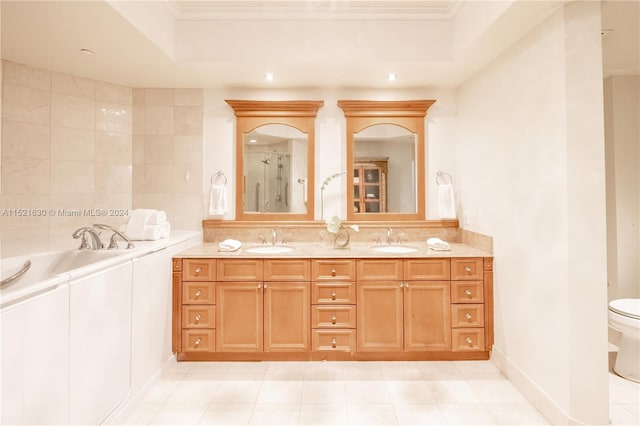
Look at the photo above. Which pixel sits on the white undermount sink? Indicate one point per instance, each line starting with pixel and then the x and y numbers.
pixel 269 249
pixel 398 249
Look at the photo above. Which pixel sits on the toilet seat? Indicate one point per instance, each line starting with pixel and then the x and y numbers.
pixel 626 307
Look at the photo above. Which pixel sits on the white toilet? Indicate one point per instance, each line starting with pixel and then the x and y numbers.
pixel 624 315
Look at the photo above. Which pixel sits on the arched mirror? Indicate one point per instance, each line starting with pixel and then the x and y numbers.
pixel 274 159
pixel 386 157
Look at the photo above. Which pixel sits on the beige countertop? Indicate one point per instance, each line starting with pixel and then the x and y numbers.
pixel 317 250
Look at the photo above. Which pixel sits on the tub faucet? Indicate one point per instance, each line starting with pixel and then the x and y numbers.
pixel 95 244
pixel 113 243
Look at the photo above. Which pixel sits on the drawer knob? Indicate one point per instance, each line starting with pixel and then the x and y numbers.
pixel 197 342
pixel 468 316
pixel 198 317
pixel 198 270
pixel 334 294
pixel 334 342
pixel 467 268
pixel 333 272
pixel 468 340
pixel 400 285
pixel 334 319
pixel 467 292
pixel 198 294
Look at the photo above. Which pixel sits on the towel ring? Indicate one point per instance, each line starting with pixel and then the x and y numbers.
pixel 441 175
pixel 218 175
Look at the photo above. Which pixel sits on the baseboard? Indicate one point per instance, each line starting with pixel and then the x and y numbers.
pixel 133 401
pixel 536 396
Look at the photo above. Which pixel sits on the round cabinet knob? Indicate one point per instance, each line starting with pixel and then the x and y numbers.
pixel 197 342
pixel 198 294
pixel 333 272
pixel 406 285
pixel 468 316
pixel 265 285
pixel 400 285
pixel 333 294
pixel 334 319
pixel 198 270
pixel 467 292
pixel 467 268
pixel 198 317
pixel 259 285
pixel 468 340
pixel 334 342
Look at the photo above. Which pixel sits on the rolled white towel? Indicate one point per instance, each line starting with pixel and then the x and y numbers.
pixel 157 217
pixel 437 244
pixel 137 221
pixel 152 232
pixel 165 230
pixel 229 245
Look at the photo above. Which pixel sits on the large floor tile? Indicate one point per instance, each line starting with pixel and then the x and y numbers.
pixel 227 414
pixel 324 414
pixel 276 414
pixel 179 414
pixel 516 414
pixel 467 414
pixel 367 392
pixel 324 392
pixel 371 414
pixel 419 414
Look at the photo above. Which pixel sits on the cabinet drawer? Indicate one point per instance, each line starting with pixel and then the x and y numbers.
pixel 177 264
pixel 466 292
pixel 198 340
pixel 467 315
pixel 287 270
pixel 198 293
pixel 427 269
pixel 467 268
pixel 467 339
pixel 198 316
pixel 333 293
pixel 333 269
pixel 240 270
pixel 379 269
pixel 199 269
pixel 333 340
pixel 333 316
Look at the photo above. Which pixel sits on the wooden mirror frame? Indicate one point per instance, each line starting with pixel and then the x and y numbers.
pixel 252 114
pixel 407 114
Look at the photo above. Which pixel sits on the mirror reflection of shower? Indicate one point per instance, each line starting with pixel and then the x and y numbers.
pixel 268 177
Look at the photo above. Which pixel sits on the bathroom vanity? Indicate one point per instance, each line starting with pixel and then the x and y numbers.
pixel 319 303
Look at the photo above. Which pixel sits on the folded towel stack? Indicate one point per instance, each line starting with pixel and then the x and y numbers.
pixel 148 224
pixel 437 244
pixel 229 245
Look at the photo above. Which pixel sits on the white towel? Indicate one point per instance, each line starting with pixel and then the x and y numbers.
pixel 446 202
pixel 229 245
pixel 137 222
pixel 218 200
pixel 165 230
pixel 437 244
pixel 157 217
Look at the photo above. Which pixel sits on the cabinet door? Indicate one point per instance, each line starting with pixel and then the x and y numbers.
pixel 379 313
pixel 427 316
pixel 286 317
pixel 239 317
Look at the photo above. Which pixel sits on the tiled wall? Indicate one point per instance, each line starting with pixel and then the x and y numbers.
pixel 66 152
pixel 167 154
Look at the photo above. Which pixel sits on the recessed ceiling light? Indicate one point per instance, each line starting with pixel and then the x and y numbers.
pixel 269 76
pixel 392 77
pixel 252 141
pixel 86 52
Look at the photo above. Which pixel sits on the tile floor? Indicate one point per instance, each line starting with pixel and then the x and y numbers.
pixel 624 401
pixel 337 393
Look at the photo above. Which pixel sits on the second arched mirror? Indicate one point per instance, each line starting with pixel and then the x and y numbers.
pixel 386 156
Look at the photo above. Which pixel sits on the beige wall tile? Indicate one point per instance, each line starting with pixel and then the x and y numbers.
pixel 187 149
pixel 25 176
pixel 39 218
pixel 113 147
pixel 160 202
pixel 189 97
pixel 113 178
pixel 137 97
pixel 113 118
pixel 137 155
pixel 72 144
pixel 111 93
pixel 187 121
pixel 158 149
pixel 158 121
pixel 27 105
pixel 138 120
pixel 72 85
pixel 72 177
pixel 72 111
pixel 158 179
pixel 158 97
pixel 187 178
pixel 137 179
pixel 138 200
pixel 72 212
pixel 26 76
pixel 25 140
pixel 187 211
pixel 118 207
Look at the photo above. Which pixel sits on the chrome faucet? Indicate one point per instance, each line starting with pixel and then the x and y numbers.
pixel 274 236
pixel 389 236
pixel 96 244
pixel 113 243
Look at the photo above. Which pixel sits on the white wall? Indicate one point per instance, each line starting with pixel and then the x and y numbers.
pixel 530 161
pixel 622 109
